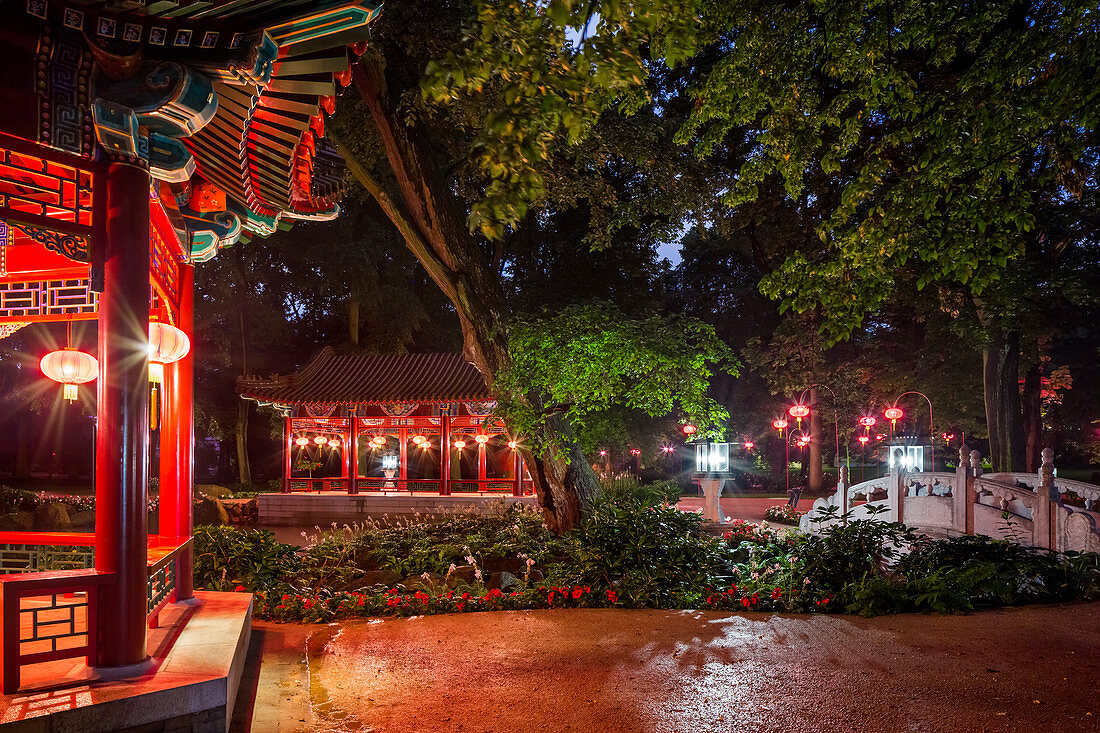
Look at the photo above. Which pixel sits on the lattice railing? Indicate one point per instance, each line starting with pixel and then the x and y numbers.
pixel 160 589
pixel 38 558
pixel 46 617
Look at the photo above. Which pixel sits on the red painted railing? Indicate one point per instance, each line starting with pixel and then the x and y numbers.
pixel 375 484
pixel 47 616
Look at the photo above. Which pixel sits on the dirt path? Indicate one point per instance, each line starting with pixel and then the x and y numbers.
pixel 1030 669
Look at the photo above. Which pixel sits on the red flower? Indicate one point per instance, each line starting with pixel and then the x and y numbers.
pixel 460 606
pixel 307 603
pixel 746 602
pixel 393 601
pixel 577 593
pixel 612 596
pixel 550 598
pixel 776 594
pixel 239 589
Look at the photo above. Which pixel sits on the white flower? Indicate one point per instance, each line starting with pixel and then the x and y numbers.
pixel 805 581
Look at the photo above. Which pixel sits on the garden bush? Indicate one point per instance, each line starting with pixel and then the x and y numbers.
pixel 634 551
pixel 783 514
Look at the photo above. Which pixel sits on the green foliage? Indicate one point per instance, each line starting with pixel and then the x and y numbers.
pixel 783 514
pixel 226 557
pixel 590 358
pixel 18 500
pixel 652 554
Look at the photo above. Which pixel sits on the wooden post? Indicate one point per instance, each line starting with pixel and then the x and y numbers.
pixel 122 440
pixel 353 447
pixel 403 459
pixel 180 409
pixel 517 466
pixel 482 468
pixel 445 448
pixel 288 448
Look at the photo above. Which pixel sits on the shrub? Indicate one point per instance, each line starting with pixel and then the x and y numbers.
pixel 18 500
pixel 226 557
pixel 783 514
pixel 651 554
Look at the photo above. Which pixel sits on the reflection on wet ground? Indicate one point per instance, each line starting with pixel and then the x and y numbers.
pixel 681 671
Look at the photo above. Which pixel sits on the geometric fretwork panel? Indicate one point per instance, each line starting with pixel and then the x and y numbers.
pixel 47 298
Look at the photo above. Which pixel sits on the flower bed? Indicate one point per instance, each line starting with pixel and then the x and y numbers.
pixel 783 514
pixel 632 553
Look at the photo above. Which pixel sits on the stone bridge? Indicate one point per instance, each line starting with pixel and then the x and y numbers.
pixel 1023 506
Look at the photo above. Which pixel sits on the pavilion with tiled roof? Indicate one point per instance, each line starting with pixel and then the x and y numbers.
pixel 410 422
pixel 139 138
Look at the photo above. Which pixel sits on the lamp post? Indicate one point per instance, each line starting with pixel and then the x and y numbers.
pixel 893 413
pixel 836 421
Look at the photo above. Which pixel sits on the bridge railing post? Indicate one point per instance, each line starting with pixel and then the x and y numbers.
pixel 895 491
pixel 1045 496
pixel 842 494
pixel 959 491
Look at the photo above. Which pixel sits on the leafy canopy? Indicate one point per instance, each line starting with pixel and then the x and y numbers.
pixel 587 359
pixel 932 131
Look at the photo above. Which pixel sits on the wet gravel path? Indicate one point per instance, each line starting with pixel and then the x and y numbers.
pixel 1026 669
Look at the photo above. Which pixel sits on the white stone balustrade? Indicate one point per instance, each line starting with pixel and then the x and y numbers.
pixel 1024 507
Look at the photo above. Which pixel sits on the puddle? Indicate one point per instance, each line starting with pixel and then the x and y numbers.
pixel 328 717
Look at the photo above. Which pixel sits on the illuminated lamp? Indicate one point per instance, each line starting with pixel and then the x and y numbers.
pixel 418 439
pixel 425 445
pixel 668 449
pixel 513 444
pixel 481 438
pixel 460 444
pixel 749 445
pixel 780 424
pixel 798 412
pixel 301 442
pixel 867 423
pixel 603 453
pixel 167 344
pixel 864 439
pixel 803 442
pixel 635 452
pixel 378 440
pixel 70 367
pixel 893 414
pixel 321 440
pixel 689 429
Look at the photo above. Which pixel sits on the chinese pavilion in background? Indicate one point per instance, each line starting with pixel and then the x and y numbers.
pixel 416 422
pixel 138 138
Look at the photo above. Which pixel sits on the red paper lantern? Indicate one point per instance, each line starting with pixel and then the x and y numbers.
pixel 867 422
pixel 689 429
pixel 893 413
pixel 780 424
pixel 481 438
pixel 418 439
pixel 513 444
pixel 460 444
pixel 70 367
pixel 799 411
pixel 301 442
pixel 749 445
pixel 167 344
pixel 321 440
pixel 863 439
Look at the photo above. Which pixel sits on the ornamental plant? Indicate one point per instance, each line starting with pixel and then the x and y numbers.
pixel 783 514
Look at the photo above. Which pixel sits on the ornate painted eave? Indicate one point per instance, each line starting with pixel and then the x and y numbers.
pixel 229 95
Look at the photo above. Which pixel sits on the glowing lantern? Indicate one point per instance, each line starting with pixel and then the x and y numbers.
pixel 749 445
pixel 668 449
pixel 803 442
pixel 864 439
pixel 603 453
pixel 893 414
pixel 378 440
pixel 70 367
pixel 689 429
pixel 418 439
pixel 513 444
pixel 635 452
pixel 780 424
pixel 460 444
pixel 798 412
pixel 867 422
pixel 321 440
pixel 481 438
pixel 302 442
pixel 425 445
pixel 167 344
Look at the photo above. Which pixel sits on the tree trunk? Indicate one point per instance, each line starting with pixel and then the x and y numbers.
pixel 244 469
pixel 1033 417
pixel 815 479
pixel 437 236
pixel 1001 376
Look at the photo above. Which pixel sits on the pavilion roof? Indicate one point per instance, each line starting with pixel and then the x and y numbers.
pixel 333 378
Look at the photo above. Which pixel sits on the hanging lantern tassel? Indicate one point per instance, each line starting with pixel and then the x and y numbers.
pixel 154 403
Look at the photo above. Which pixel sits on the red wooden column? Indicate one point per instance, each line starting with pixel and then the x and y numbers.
pixel 122 440
pixel 179 395
pixel 445 475
pixel 403 459
pixel 517 467
pixel 353 448
pixel 288 434
pixel 482 472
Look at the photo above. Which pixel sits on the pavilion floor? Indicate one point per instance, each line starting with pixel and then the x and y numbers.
pixel 189 681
